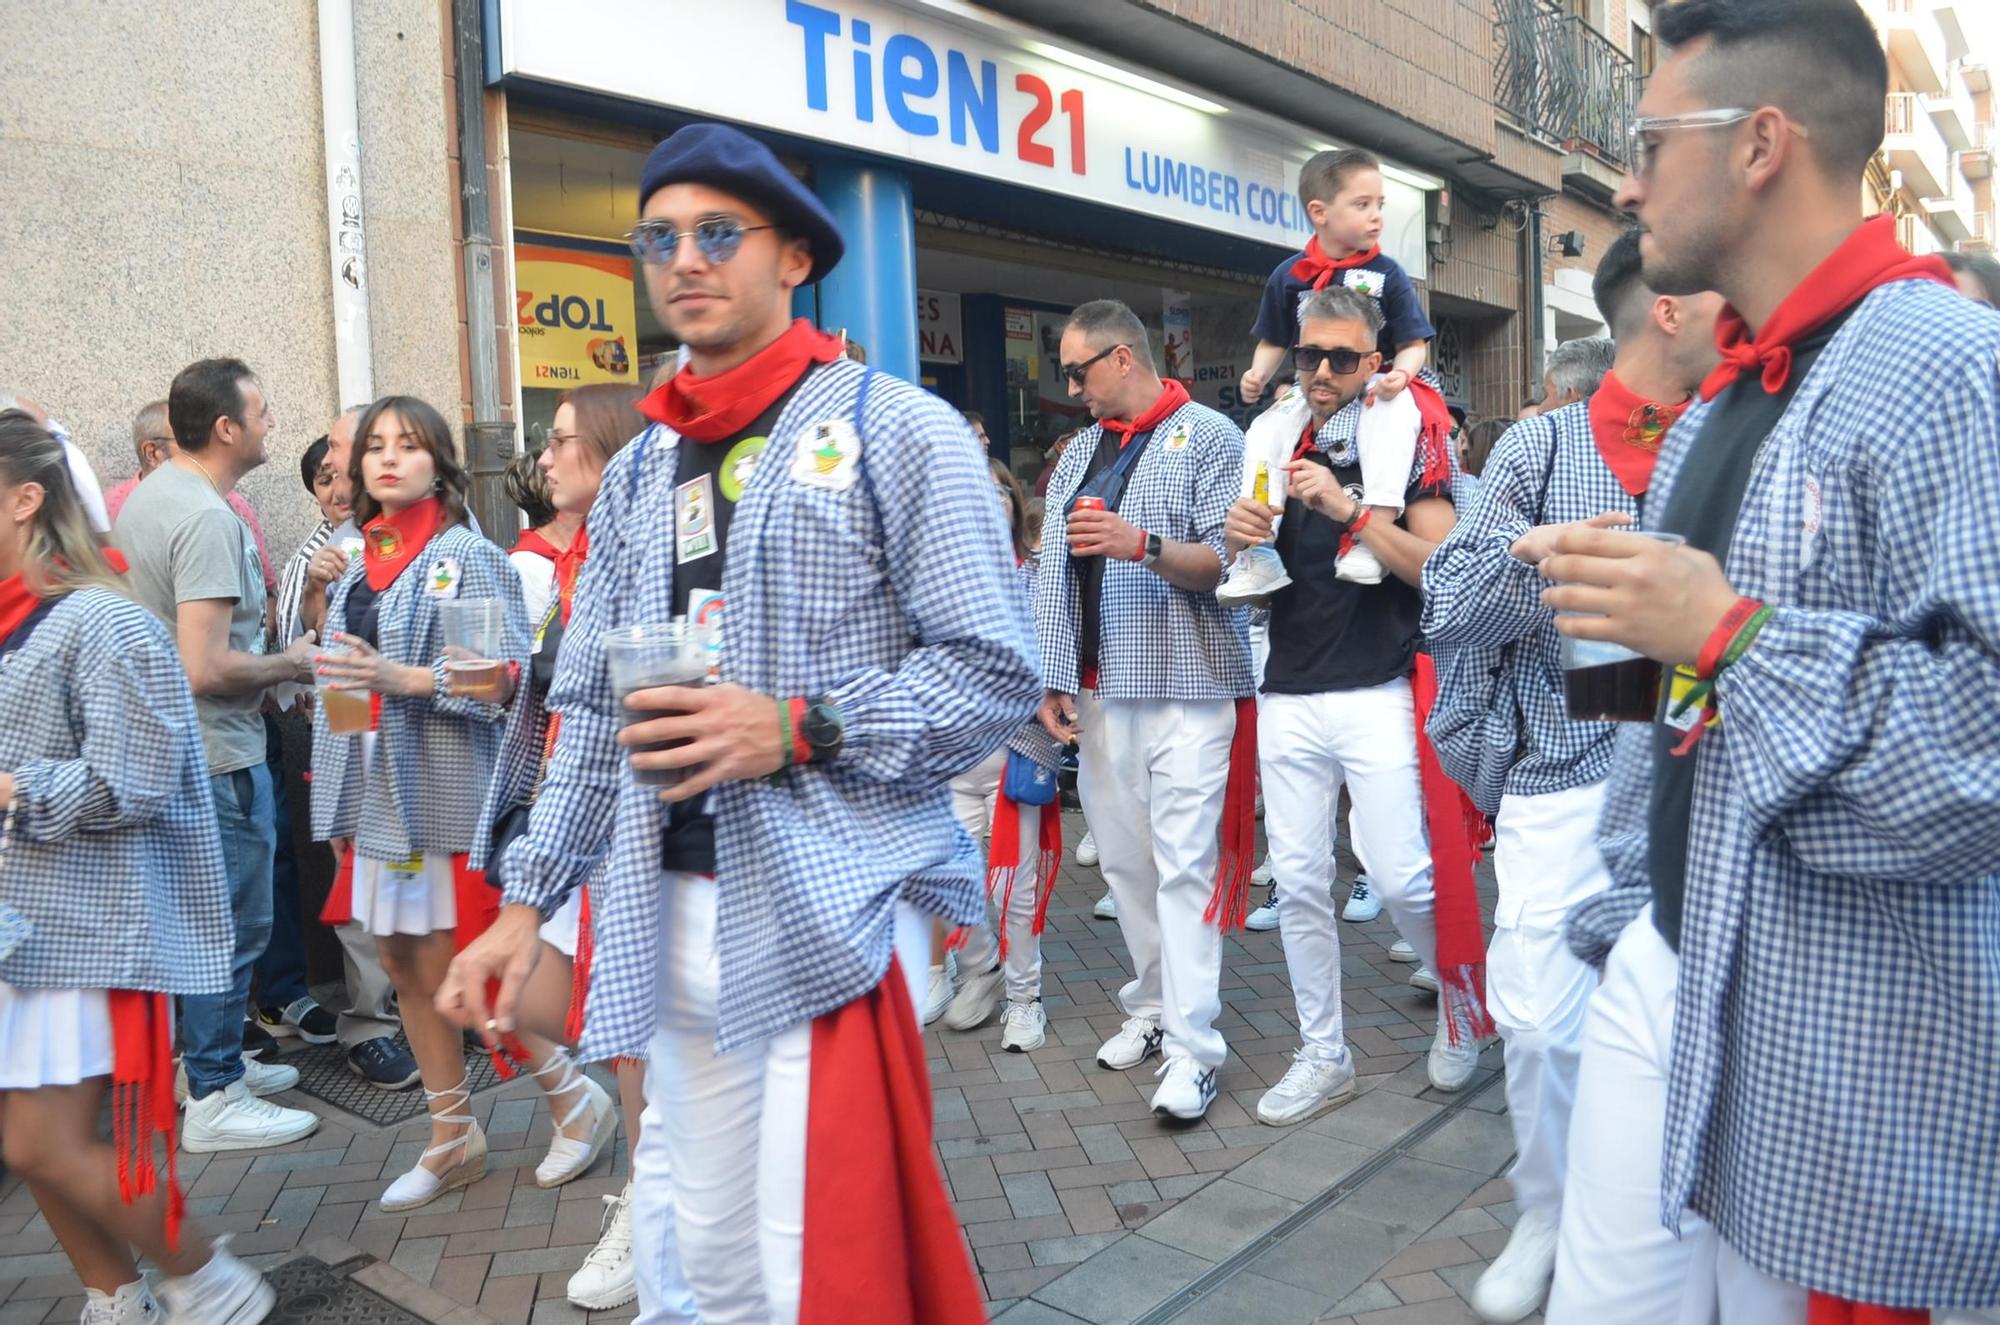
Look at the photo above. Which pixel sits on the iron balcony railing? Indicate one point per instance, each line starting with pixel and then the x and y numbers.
pixel 1564 80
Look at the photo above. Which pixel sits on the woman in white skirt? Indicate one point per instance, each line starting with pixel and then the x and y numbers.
pixel 400 802
pixel 112 900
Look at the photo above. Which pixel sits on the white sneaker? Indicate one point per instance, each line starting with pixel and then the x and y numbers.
pixel 1401 951
pixel 1309 1085
pixel 1263 874
pixel 1424 978
pixel 1518 1279
pixel 234 1119
pixel 1265 918
pixel 1024 1028
pixel 259 1078
pixel 937 995
pixel 975 1000
pixel 1136 1041
pixel 569 1157
pixel 607 1278
pixel 1359 566
pixel 1188 1090
pixel 1450 1068
pixel 223 1292
pixel 1256 574
pixel 1362 903
pixel 1086 850
pixel 1106 908
pixel 131 1305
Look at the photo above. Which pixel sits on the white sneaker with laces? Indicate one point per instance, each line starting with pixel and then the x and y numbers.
pixel 132 1304
pixel 1086 850
pixel 260 1078
pixel 1362 903
pixel 1256 574
pixel 1309 1085
pixel 1187 1091
pixel 1424 978
pixel 570 1157
pixel 234 1119
pixel 1263 874
pixel 223 1292
pixel 1265 918
pixel 420 1186
pixel 937 994
pixel 975 1000
pixel 1358 566
pixel 607 1277
pixel 1449 1066
pixel 1401 951
pixel 1106 908
pixel 1136 1041
pixel 1518 1279
pixel 1026 1027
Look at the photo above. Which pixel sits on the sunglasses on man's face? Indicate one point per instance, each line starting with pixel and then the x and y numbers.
pixel 1076 372
pixel 1308 358
pixel 716 238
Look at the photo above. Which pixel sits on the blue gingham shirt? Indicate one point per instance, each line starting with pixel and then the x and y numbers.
pixel 1157 641
pixel 435 754
pixel 1483 613
pixel 116 862
pixel 1834 1100
pixel 891 599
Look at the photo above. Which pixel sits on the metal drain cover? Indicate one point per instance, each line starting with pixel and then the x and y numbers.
pixel 310 1292
pixel 324 1075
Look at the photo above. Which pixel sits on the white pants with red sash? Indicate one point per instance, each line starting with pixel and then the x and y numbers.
pixel 972 800
pixel 730 1127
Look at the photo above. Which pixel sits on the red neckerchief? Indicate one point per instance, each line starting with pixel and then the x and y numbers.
pixel 709 409
pixel 1172 396
pixel 531 540
pixel 569 566
pixel 391 542
pixel 1867 258
pixel 17 603
pixel 1628 429
pixel 1316 268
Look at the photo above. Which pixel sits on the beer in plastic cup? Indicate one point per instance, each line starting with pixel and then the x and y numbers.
pixel 347 711
pixel 644 657
pixel 1606 682
pixel 473 628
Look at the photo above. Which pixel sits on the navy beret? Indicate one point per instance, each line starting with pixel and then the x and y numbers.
pixel 732 161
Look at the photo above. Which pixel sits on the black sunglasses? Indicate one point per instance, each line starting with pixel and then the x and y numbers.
pixel 1076 372
pixel 1308 358
pixel 717 238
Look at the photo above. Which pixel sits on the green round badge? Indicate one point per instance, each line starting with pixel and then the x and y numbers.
pixel 739 465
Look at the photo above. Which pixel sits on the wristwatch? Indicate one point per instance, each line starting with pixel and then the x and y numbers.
pixel 1153 549
pixel 824 731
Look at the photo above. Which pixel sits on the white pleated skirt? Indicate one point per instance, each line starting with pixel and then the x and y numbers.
pixel 53 1037
pixel 559 930
pixel 404 897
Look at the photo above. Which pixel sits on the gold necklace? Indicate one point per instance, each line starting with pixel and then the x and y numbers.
pixel 204 471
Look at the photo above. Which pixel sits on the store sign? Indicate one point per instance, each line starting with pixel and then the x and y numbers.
pixel 574 315
pixel 1217 385
pixel 955 90
pixel 940 334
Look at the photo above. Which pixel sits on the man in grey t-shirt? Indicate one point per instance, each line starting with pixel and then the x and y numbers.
pixel 195 566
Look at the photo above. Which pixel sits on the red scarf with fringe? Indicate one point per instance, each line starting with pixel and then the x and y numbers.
pixel 1628 430
pixel 1865 259
pixel 708 409
pixel 881 1243
pixel 392 542
pixel 1317 269
pixel 1454 823
pixel 1229 904
pixel 142 1099
pixel 1003 862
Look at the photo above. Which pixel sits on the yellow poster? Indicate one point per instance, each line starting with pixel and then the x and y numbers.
pixel 575 315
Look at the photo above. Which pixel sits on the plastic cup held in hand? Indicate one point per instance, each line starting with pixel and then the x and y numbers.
pixel 1607 682
pixel 645 657
pixel 346 710
pixel 473 628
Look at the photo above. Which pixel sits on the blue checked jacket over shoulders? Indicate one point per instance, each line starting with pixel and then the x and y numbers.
pixel 115 862
pixel 890 598
pixel 1834 1102
pixel 434 755
pixel 1158 642
pixel 1498 655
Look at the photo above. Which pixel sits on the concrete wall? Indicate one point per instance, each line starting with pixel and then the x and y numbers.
pixel 166 201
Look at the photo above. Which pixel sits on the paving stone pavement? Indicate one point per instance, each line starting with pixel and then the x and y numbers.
pixel 1077 1203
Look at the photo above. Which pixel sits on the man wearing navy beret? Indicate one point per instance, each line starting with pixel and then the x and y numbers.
pixel 760 919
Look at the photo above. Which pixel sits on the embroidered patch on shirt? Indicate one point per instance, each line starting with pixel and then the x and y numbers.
pixel 445 577
pixel 827 457
pixel 694 520
pixel 1363 281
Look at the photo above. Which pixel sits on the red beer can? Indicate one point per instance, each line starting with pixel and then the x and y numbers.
pixel 1090 503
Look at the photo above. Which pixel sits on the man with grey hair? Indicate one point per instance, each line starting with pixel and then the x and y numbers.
pixel 1150 677
pixel 1576 368
pixel 1339 706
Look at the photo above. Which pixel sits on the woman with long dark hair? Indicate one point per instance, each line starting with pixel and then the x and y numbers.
pixel 400 802
pixel 113 899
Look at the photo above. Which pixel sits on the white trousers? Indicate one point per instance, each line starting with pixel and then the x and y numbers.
pixel 1308 745
pixel 973 797
pixel 731 1127
pixel 1151 774
pixel 1546 860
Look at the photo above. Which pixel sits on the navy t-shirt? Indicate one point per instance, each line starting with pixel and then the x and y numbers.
pixel 1381 279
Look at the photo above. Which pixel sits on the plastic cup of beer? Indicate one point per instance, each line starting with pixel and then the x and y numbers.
pixel 1607 682
pixel 346 710
pixel 473 628
pixel 676 653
